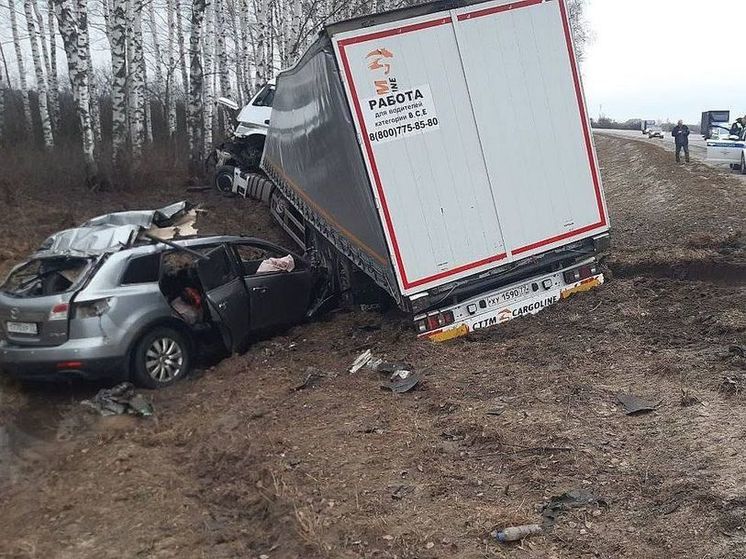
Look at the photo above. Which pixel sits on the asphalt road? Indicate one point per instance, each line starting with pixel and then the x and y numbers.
pixel 697 144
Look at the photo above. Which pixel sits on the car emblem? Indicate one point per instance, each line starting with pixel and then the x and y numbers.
pixel 14 313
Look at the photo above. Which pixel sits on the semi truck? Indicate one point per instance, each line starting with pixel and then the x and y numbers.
pixel 402 150
pixel 715 124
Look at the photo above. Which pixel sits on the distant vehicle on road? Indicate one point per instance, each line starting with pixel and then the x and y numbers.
pixel 646 125
pixel 715 124
pixel 101 301
pixel 655 131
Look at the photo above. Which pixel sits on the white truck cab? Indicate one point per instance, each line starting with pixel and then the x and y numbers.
pixel 254 118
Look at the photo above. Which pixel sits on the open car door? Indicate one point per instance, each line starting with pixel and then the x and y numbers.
pixel 227 297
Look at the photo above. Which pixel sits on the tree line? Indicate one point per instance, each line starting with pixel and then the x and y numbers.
pixel 164 64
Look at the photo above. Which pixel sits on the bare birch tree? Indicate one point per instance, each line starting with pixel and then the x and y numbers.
pixel 196 84
pixel 77 68
pixel 21 67
pixel 208 60
pixel 182 47
pixel 137 78
pixel 54 82
pixel 171 71
pixel 53 88
pixel 118 40
pixel 41 82
pixel 3 88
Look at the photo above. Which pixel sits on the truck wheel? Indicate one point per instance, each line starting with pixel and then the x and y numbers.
pixel 224 180
pixel 161 357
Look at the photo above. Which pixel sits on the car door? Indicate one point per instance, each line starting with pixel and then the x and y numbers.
pixel 276 299
pixel 226 295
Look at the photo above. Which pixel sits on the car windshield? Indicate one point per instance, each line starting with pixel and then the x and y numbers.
pixel 46 276
pixel 266 97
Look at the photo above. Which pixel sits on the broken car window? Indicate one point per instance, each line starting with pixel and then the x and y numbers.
pixel 257 260
pixel 145 269
pixel 46 276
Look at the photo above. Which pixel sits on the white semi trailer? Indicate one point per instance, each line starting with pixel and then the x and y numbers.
pixel 404 148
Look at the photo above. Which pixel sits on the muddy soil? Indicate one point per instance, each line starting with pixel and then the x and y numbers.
pixel 238 462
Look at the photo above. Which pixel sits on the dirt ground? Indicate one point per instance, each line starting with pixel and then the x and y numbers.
pixel 238 464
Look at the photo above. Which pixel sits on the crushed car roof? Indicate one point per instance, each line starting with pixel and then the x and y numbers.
pixel 116 231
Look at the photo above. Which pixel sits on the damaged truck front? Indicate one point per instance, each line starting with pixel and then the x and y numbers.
pixel 403 149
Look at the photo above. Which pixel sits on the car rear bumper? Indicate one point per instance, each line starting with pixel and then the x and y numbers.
pixel 90 358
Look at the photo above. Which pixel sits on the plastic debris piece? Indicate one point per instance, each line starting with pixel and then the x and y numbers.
pixel 402 385
pixel 362 360
pixel 516 533
pixel 119 400
pixel 634 405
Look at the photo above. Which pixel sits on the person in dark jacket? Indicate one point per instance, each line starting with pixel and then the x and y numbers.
pixel 681 135
pixel 737 127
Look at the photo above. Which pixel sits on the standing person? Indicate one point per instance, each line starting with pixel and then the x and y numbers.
pixel 681 135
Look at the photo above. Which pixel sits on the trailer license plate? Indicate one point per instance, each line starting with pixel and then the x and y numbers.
pixel 21 328
pixel 508 295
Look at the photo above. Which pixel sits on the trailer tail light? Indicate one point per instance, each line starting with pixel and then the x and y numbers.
pixel 59 312
pixel 434 322
pixel 581 273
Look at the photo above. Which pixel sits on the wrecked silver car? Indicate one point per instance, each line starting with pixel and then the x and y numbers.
pixel 134 295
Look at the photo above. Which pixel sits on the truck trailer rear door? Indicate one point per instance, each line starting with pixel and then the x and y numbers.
pixel 408 95
pixel 474 132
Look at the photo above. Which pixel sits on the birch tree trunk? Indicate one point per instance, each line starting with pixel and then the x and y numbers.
pixel 84 54
pixel 237 51
pixel 208 49
pixel 156 47
pixel 137 90
pixel 261 43
pixel 182 48
pixel 21 68
pixel 171 73
pixel 3 87
pixel 53 99
pixel 41 82
pixel 77 67
pixel 54 81
pixel 118 40
pixel 225 80
pixel 196 79
pixel 245 62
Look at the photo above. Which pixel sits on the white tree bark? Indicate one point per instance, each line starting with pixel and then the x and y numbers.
pixel 41 82
pixel 245 59
pixel 21 67
pixel 262 38
pixel 220 25
pixel 209 76
pixel 118 40
pixel 182 47
pixel 77 67
pixel 3 87
pixel 158 63
pixel 54 82
pixel 171 73
pixel 137 89
pixel 235 29
pixel 84 54
pixel 196 79
pixel 53 98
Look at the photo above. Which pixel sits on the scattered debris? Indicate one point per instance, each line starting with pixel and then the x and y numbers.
pixel 516 533
pixel 120 400
pixel 733 384
pixel 634 405
pixel 562 503
pixel 361 361
pixel 495 411
pixel 688 399
pixel 737 350
pixel 399 385
pixel 401 491
pixel 310 379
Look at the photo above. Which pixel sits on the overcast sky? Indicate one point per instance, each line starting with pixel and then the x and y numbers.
pixel 663 59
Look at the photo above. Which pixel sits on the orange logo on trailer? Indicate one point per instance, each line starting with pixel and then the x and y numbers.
pixel 380 60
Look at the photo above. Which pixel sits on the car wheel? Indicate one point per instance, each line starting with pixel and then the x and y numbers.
pixel 743 165
pixel 161 357
pixel 224 180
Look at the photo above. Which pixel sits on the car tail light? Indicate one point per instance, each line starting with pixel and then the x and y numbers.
pixel 59 312
pixel 581 273
pixel 434 321
pixel 92 309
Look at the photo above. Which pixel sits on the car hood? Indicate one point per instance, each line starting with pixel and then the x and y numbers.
pixel 115 231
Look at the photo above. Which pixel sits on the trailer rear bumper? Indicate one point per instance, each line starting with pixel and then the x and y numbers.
pixel 526 297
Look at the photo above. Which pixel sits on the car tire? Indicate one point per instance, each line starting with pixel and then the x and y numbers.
pixel 743 165
pixel 224 180
pixel 162 357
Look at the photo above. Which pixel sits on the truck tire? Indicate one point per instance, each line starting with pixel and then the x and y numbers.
pixel 224 180
pixel 162 357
